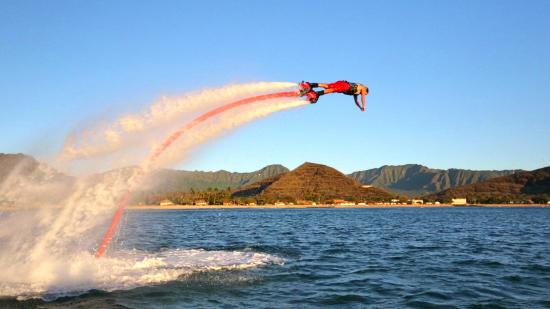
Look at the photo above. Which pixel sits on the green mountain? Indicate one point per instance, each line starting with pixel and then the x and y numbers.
pixel 25 181
pixel 417 180
pixel 521 186
pixel 411 179
pixel 167 180
pixel 33 172
pixel 28 168
pixel 313 182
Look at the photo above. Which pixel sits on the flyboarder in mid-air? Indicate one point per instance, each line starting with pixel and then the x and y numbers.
pixel 341 86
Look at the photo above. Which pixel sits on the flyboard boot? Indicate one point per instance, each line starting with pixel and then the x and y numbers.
pixel 312 96
pixel 304 87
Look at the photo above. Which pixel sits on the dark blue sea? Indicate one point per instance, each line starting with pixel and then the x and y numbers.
pixel 341 258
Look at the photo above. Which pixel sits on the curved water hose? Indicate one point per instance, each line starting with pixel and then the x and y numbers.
pixel 215 112
pixel 114 223
pixel 170 140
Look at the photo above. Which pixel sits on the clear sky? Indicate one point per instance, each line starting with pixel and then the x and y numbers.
pixel 462 84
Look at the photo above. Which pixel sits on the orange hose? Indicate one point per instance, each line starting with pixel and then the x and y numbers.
pixel 170 140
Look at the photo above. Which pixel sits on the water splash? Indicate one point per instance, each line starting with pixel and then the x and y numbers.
pixel 49 251
pixel 128 269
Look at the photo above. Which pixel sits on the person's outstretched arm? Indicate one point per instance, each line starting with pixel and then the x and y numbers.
pixel 355 98
pixel 364 100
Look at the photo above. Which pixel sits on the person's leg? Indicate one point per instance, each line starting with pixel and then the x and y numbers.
pixel 329 90
pixel 313 95
pixel 326 88
pixel 317 85
pixel 326 91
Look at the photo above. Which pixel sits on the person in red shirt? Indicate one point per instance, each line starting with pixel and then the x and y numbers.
pixel 341 86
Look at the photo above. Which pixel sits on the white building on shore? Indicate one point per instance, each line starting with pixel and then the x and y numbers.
pixel 166 202
pixel 459 202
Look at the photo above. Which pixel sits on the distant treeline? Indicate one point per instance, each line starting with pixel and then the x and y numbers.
pixel 494 199
pixel 214 196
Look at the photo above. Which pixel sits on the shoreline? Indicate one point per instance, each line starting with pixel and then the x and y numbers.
pixel 270 206
pixel 193 207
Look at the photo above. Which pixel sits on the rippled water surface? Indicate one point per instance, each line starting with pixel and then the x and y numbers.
pixel 421 257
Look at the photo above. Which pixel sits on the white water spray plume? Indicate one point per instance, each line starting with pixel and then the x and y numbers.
pixel 131 130
pixel 48 237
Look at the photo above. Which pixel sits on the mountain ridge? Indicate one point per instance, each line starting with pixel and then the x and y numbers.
pixel 179 180
pixel 24 180
pixel 408 180
pixel 521 186
pixel 416 179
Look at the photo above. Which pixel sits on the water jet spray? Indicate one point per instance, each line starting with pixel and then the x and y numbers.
pixel 171 139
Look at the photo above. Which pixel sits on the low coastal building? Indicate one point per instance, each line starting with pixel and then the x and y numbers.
pixel 200 203
pixel 342 202
pixel 166 202
pixel 366 186
pixel 279 204
pixel 459 202
pixel 417 202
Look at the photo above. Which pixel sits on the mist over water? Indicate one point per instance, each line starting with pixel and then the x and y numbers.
pixel 47 248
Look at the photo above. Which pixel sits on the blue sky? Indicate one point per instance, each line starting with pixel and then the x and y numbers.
pixel 453 84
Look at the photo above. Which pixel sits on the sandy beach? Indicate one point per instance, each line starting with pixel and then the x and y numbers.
pixel 211 207
pixel 193 207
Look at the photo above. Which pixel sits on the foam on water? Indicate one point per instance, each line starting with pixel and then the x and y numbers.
pixel 129 269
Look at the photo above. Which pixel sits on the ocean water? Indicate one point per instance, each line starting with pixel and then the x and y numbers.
pixel 310 258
